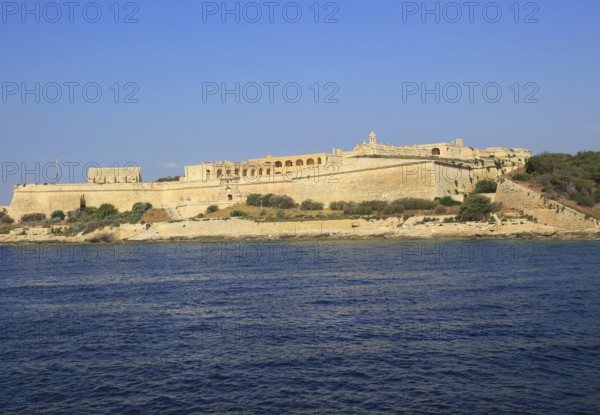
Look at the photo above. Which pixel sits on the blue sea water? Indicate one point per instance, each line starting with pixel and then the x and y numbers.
pixel 311 327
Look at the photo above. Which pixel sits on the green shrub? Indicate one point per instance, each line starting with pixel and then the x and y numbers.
pixel 280 214
pixel 259 200
pixel 309 204
pixel 212 209
pixel 540 164
pixel 33 217
pixel 281 202
pixel 168 179
pixel 90 210
pixel 140 208
pixel 58 214
pixel 448 201
pixel 522 177
pixel 106 211
pixel 337 205
pixel 486 186
pixel 584 199
pixel 418 204
pixel 6 220
pixel 440 210
pixel 265 200
pixel 395 207
pixel 95 225
pixel 476 208
pixel 363 208
pixel 238 214
pixel 253 199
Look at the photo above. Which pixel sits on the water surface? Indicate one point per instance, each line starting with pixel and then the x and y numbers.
pixel 357 327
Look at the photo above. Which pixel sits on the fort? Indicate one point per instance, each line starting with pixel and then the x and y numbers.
pixel 371 171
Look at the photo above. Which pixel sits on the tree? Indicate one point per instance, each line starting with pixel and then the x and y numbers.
pixel 486 186
pixel 281 202
pixel 58 214
pixel 309 204
pixel 106 210
pixel 476 208
pixel 141 207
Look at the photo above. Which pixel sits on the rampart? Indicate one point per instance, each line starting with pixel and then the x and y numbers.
pixel 545 210
pixel 371 171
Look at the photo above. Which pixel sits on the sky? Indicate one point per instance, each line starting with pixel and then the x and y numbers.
pixel 163 84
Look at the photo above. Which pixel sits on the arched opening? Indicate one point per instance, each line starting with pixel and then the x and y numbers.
pixel 278 164
pixel 310 162
pixel 237 172
pixel 229 197
pixel 299 163
pixel 245 172
pixel 435 152
pixel 208 173
pixel 289 163
pixel 228 173
pixel 268 172
pixel 219 173
pixel 253 172
pixel 260 171
pixel 319 161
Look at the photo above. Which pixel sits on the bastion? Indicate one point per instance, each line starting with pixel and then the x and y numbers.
pixel 371 171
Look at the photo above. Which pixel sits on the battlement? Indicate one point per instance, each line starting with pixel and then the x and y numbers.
pixel 104 175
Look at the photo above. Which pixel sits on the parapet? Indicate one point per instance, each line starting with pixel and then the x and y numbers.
pixel 131 174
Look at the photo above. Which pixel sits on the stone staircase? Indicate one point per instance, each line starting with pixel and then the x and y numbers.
pixel 173 213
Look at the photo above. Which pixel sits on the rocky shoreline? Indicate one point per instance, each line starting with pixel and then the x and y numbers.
pixel 415 228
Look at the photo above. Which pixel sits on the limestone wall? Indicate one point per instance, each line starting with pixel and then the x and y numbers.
pixel 546 211
pixel 353 178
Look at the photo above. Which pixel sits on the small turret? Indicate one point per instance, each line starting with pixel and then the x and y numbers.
pixel 372 138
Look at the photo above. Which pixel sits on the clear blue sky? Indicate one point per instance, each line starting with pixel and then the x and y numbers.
pixel 369 54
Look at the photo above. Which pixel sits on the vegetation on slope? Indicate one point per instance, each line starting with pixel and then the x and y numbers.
pixel 91 218
pixel 574 177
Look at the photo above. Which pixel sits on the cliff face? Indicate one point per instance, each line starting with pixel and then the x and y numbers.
pixel 546 211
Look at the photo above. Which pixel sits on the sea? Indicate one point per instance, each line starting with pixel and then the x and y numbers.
pixel 301 327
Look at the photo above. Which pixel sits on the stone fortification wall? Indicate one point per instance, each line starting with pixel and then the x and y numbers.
pixel 356 179
pixel 368 179
pixel 545 210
